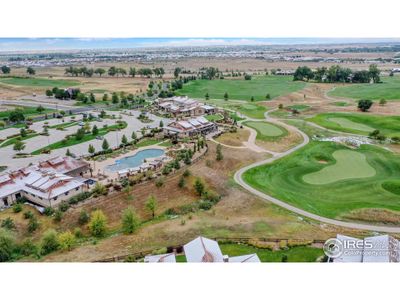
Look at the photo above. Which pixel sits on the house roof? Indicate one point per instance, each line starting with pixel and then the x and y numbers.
pixel 202 249
pixel 249 258
pixel 162 258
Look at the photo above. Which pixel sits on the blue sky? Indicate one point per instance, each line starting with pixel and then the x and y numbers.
pixel 21 44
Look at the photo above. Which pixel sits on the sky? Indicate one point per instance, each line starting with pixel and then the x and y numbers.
pixel 23 44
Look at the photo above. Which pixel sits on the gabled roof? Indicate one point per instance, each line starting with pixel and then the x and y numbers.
pixel 249 258
pixel 161 258
pixel 202 249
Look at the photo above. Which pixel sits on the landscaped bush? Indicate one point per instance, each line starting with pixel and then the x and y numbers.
pixel 79 197
pixel 48 211
pixel 8 223
pixel 17 207
pixel 28 248
pixel 294 243
pixel 260 244
pixel 83 217
pixel 58 216
pixel 64 206
pixel 49 242
pixel 33 224
pixel 28 214
pixel 205 204
pixel 7 246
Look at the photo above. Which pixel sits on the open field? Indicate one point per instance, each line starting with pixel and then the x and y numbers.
pixel 29 112
pixel 234 138
pixel 39 82
pixel 251 110
pixel 289 179
pixel 388 89
pixel 240 89
pixel 359 123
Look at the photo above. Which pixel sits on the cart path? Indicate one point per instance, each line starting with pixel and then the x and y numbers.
pixel 238 178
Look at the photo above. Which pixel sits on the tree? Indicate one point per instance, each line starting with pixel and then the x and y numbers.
pixel 130 220
pixel 226 96
pixel 207 96
pixel 68 152
pixel 7 246
pixel 80 133
pixel 99 71
pixel 92 98
pixel 382 102
pixel 99 189
pixel 66 240
pixel 199 186
pixel 33 224
pixel 19 146
pixel 105 97
pixel 23 132
pixel 132 72
pixel 124 140
pixel 5 69
pixel 151 205
pixel 374 73
pixel 40 109
pixel 98 223
pixel 364 104
pixel 247 77
pixel 8 224
pixel 95 130
pixel 161 124
pixel 177 71
pixel 134 136
pixel 105 146
pixel 30 71
pixel 86 127
pixel 114 98
pixel 219 153
pixel 112 71
pixel 303 73
pixel 91 149
pixel 49 242
pixel 16 116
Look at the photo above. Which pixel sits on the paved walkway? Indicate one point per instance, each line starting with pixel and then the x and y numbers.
pixel 238 178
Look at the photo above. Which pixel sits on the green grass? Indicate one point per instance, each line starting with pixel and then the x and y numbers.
pixel 13 140
pixel 299 107
pixel 73 141
pixel 240 89
pixel 167 143
pixel 340 103
pixel 393 186
pixel 26 110
pixel 283 179
pixel 214 118
pixel 147 142
pixel 267 131
pixel 295 254
pixel 388 90
pixel 64 125
pixel 251 110
pixel 38 82
pixel 359 123
pixel 348 164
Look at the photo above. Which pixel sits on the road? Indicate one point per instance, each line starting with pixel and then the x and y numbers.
pixel 238 178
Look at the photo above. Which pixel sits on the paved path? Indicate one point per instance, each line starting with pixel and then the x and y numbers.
pixel 238 178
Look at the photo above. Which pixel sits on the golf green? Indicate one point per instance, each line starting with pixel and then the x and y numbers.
pixel 349 164
pixel 330 180
pixel 266 131
pixel 346 123
pixel 359 123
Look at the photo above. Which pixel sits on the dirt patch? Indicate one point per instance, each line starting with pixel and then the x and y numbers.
pixel 234 138
pixel 379 216
pixel 282 144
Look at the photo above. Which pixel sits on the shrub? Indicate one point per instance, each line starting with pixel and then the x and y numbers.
pixel 66 240
pixel 17 207
pixel 79 197
pixel 48 211
pixel 49 242
pixel 100 189
pixel 160 182
pixel 181 182
pixel 130 220
pixel 8 223
pixel 63 206
pixel 83 217
pixel 58 216
pixel 33 224
pixel 295 243
pixel 28 214
pixel 98 223
pixel 199 186
pixel 7 246
pixel 205 204
pixel 28 248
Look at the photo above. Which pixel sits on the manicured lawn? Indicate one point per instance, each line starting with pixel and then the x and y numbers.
pixel 240 89
pixel 388 90
pixel 285 179
pixel 13 140
pixel 348 164
pixel 340 103
pixel 359 123
pixel 64 125
pixel 73 141
pixel 147 142
pixel 300 107
pixel 295 254
pixel 38 82
pixel 252 110
pixel 267 131
pixel 26 110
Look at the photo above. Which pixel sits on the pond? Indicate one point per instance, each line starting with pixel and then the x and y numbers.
pixel 134 160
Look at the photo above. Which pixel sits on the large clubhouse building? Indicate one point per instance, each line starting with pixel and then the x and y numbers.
pixel 46 183
pixel 183 107
pixel 190 127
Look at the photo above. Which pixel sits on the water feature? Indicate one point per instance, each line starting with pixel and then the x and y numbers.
pixel 135 160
